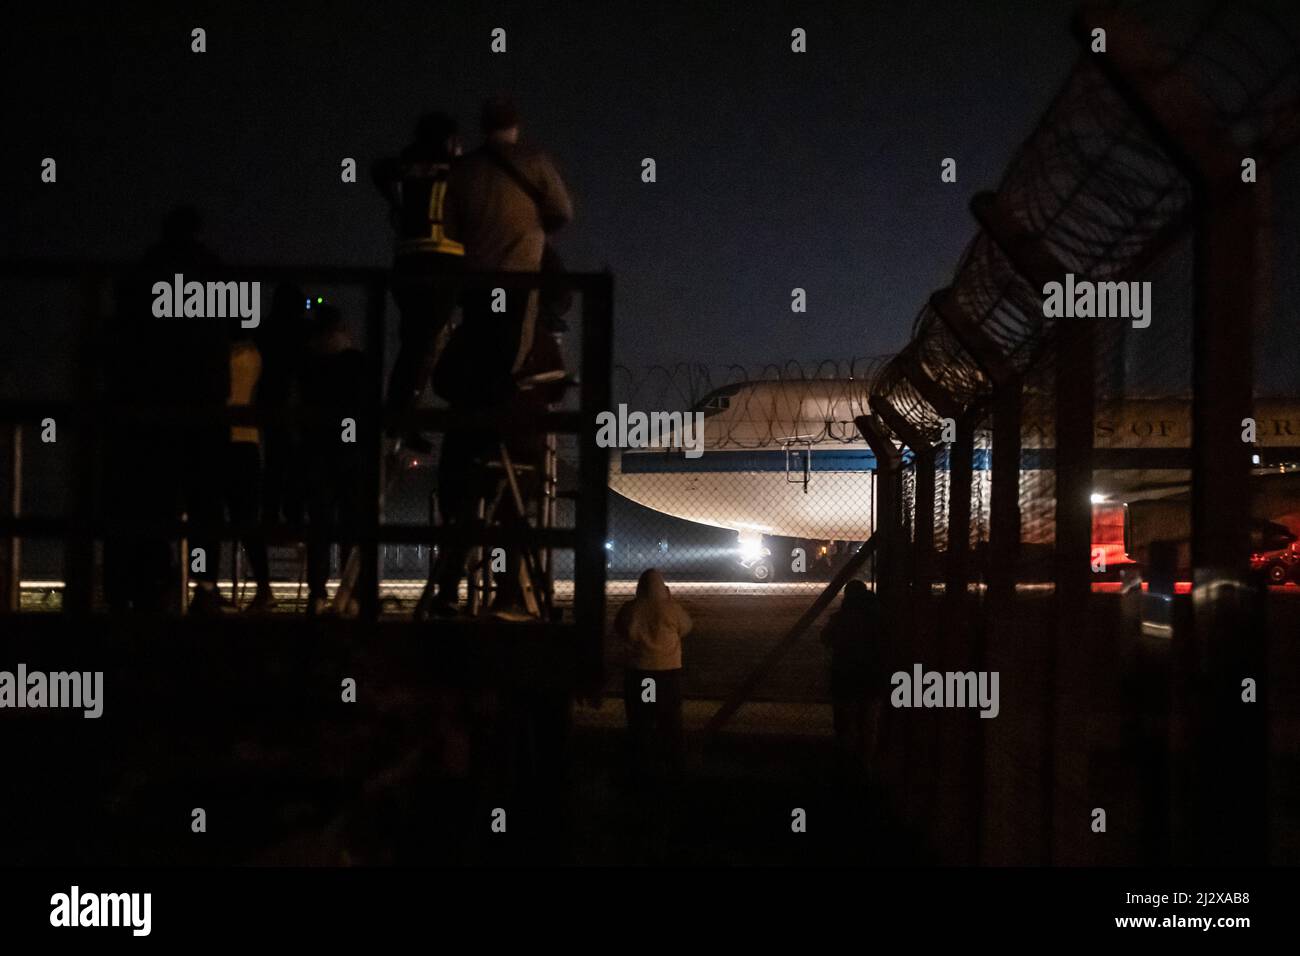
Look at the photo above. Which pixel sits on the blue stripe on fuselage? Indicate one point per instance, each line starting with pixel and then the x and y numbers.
pixel 840 459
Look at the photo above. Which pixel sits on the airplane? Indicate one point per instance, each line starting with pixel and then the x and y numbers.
pixel 764 442
pixel 783 458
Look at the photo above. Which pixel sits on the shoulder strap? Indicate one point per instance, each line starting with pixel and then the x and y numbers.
pixel 511 170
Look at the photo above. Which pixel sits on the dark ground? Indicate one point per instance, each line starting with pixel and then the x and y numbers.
pixel 244 719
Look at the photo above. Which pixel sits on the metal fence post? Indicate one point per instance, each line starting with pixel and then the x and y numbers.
pixel 923 461
pixel 890 555
pixel 960 462
pixel 79 546
pixel 1004 516
pixel 1074 412
pixel 371 427
pixel 593 476
pixel 11 570
pixel 1220 804
pixel 923 571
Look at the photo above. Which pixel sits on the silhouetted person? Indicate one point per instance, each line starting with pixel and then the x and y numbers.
pixel 858 684
pixel 282 340
pixel 333 387
pixel 243 477
pixel 159 471
pixel 651 627
pixel 502 201
pixel 139 485
pixel 415 185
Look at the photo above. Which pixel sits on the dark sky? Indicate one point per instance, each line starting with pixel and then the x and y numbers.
pixel 775 170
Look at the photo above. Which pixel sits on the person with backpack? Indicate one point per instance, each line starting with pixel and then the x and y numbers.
pixel 503 202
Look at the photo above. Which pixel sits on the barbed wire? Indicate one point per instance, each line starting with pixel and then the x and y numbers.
pixel 758 406
pixel 1093 188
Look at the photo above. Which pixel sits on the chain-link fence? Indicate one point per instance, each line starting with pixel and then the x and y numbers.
pixel 108 456
pixel 1053 463
pixel 1078 474
pixel 763 479
pixel 754 494
pixel 1146 451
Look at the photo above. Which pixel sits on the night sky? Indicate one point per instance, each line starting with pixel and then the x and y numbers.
pixel 775 170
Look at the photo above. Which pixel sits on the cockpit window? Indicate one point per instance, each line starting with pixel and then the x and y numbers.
pixel 718 401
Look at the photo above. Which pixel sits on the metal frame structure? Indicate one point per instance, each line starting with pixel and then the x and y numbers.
pixel 85 421
pixel 1135 152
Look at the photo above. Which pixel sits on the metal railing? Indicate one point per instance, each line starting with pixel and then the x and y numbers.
pixel 87 422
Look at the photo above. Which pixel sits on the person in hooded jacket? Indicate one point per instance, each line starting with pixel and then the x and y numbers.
pixel 651 627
